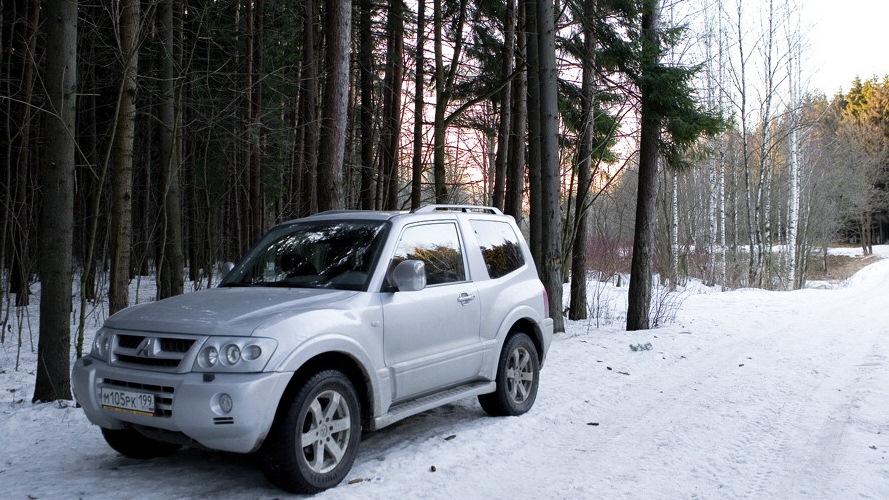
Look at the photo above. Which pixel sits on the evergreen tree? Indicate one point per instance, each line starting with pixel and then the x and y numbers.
pixel 671 122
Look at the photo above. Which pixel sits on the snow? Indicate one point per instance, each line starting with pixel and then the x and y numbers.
pixel 746 394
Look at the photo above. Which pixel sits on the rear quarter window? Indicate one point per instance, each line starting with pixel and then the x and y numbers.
pixel 500 247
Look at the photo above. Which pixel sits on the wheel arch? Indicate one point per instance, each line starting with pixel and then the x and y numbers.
pixel 333 360
pixel 517 324
pixel 529 328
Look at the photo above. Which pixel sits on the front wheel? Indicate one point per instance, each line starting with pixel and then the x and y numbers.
pixel 518 374
pixel 133 444
pixel 312 445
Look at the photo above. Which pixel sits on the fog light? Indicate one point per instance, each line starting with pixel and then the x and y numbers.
pixel 225 403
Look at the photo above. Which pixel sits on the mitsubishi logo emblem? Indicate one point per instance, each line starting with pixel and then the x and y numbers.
pixel 148 348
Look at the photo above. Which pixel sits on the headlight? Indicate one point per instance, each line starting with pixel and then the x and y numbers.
pixel 209 356
pixel 234 354
pixel 101 344
pixel 252 352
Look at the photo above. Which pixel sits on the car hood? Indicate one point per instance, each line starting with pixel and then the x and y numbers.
pixel 224 311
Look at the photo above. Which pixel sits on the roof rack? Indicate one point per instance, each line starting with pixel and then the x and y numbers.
pixel 478 209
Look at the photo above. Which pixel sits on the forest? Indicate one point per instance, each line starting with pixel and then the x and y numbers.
pixel 664 141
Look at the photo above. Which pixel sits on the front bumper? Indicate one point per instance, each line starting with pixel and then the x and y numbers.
pixel 190 402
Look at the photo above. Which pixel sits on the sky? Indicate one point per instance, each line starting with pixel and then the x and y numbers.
pixel 846 38
pixel 744 394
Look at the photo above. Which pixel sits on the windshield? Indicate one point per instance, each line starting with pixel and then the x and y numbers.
pixel 312 254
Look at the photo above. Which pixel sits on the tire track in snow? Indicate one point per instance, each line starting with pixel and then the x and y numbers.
pixel 770 421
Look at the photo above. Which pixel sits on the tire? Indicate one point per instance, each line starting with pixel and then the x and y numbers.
pixel 133 444
pixel 518 375
pixel 313 443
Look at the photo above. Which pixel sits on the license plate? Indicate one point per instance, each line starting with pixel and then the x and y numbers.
pixel 139 403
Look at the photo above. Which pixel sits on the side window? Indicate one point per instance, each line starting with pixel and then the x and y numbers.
pixel 437 245
pixel 500 247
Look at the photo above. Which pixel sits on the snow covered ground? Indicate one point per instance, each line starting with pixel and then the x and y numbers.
pixel 748 394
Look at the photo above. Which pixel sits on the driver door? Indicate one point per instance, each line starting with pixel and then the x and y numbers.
pixel 432 335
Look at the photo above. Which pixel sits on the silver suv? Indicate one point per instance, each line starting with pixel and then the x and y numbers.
pixel 332 324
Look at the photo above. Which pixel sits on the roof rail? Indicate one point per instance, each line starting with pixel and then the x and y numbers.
pixel 334 212
pixel 459 208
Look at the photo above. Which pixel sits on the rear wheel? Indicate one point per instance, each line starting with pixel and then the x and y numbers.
pixel 312 445
pixel 133 444
pixel 518 374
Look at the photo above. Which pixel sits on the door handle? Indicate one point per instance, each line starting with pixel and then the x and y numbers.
pixel 465 298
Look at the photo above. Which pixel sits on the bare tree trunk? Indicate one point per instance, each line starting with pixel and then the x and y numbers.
pixel 793 215
pixel 444 81
pixel 309 102
pixel 171 260
pixel 578 306
pixel 639 302
pixel 534 176
pixel 515 170
pixel 503 129
pixel 712 91
pixel 674 230
pixel 334 116
pixel 392 103
pixel 746 166
pixel 438 140
pixel 19 144
pixel 252 118
pixel 122 160
pixel 419 84
pixel 549 160
pixel 57 211
pixel 366 111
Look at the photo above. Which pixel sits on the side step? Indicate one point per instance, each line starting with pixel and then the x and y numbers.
pixel 419 405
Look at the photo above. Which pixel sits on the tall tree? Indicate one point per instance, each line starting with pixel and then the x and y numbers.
pixel 794 73
pixel 506 108
pixel 19 85
pixel 535 216
pixel 170 256
pixel 639 300
pixel 578 304
pixel 334 116
pixel 253 57
pixel 366 109
pixel 419 104
pixel 310 129
pixel 515 169
pixel 57 210
pixel 392 83
pixel 444 86
pixel 672 121
pixel 122 158
pixel 550 178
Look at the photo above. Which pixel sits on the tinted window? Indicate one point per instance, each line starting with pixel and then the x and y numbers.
pixel 437 245
pixel 500 247
pixel 319 254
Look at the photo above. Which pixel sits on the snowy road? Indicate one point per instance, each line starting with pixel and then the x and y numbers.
pixel 750 394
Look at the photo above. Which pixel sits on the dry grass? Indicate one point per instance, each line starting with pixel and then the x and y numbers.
pixel 839 267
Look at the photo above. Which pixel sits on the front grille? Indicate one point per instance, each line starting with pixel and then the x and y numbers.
pixel 136 360
pixel 158 352
pixel 176 345
pixel 163 395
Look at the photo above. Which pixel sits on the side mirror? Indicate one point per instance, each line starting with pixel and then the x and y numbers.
pixel 409 275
